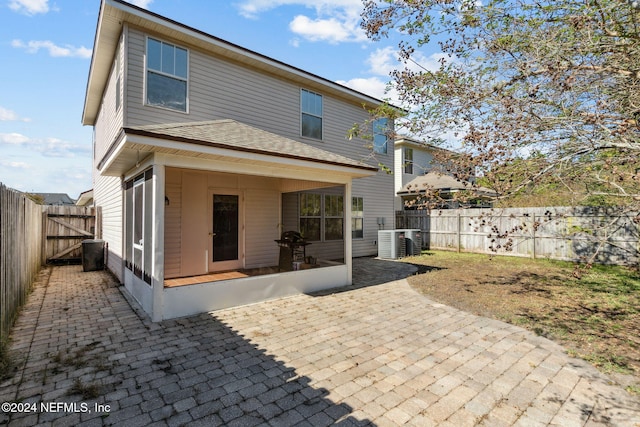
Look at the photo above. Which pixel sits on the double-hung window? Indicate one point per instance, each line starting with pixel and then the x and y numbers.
pixel 408 160
pixel 357 218
pixel 311 108
pixel 167 66
pixel 322 216
pixel 310 216
pixel 333 217
pixel 380 135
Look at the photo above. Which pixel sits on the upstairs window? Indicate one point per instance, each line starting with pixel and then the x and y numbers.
pixel 380 135
pixel 166 75
pixel 408 160
pixel 311 107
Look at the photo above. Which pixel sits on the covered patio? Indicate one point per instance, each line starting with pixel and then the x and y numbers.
pixel 205 204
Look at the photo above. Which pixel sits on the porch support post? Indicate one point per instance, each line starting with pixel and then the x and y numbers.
pixel 348 250
pixel 157 278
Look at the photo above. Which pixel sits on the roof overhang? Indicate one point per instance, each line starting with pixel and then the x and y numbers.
pixel 228 146
pixel 115 13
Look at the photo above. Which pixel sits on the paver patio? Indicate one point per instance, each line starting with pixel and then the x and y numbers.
pixel 375 354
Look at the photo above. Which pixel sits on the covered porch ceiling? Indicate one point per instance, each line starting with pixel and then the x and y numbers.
pixel 229 146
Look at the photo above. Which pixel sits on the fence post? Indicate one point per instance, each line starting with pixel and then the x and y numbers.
pixel 459 232
pixel 533 234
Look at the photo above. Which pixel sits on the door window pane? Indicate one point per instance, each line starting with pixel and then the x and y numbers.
pixel 225 227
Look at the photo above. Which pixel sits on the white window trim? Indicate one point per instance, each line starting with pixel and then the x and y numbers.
pixel 406 162
pixel 321 117
pixel 361 217
pixel 146 73
pixel 386 136
pixel 325 217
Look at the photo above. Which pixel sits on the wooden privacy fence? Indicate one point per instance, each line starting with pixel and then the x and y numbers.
pixel 64 229
pixel 562 233
pixel 20 253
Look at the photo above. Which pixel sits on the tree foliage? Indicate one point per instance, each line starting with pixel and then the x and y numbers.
pixel 541 93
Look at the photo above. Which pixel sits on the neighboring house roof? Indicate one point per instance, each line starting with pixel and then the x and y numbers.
pixel 85 198
pixel 114 13
pixel 233 135
pixel 414 143
pixel 55 198
pixel 443 183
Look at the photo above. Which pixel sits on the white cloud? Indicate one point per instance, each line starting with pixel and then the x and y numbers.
pixel 372 86
pixel 10 116
pixel 13 138
pixel 429 63
pixel 14 165
pixel 385 60
pixel 332 30
pixel 252 8
pixel 29 7
pixel 141 3
pixel 334 21
pixel 48 147
pixel 34 46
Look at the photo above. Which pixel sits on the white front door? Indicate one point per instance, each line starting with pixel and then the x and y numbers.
pixel 226 232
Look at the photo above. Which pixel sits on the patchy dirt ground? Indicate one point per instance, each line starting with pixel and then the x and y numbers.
pixel 595 317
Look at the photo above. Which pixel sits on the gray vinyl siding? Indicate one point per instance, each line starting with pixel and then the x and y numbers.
pixel 110 120
pixel 172 224
pixel 108 190
pixel 262 219
pixel 261 216
pixel 107 194
pixel 221 89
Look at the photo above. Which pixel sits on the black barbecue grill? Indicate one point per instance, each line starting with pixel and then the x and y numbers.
pixel 292 249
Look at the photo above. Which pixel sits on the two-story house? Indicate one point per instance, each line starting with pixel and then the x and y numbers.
pixel 205 153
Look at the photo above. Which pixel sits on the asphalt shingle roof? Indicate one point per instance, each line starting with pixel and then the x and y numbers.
pixel 233 135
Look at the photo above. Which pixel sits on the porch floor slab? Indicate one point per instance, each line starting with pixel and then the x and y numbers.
pixel 376 353
pixel 204 278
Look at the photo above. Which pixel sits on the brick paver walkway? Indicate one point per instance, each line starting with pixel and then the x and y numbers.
pixel 376 354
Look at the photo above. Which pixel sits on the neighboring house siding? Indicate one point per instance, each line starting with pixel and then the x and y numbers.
pixel 422 163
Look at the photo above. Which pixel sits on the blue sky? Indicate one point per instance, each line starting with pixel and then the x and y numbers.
pixel 45 46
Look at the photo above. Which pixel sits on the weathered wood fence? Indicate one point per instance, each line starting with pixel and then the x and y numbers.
pixel 562 233
pixel 20 253
pixel 64 229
